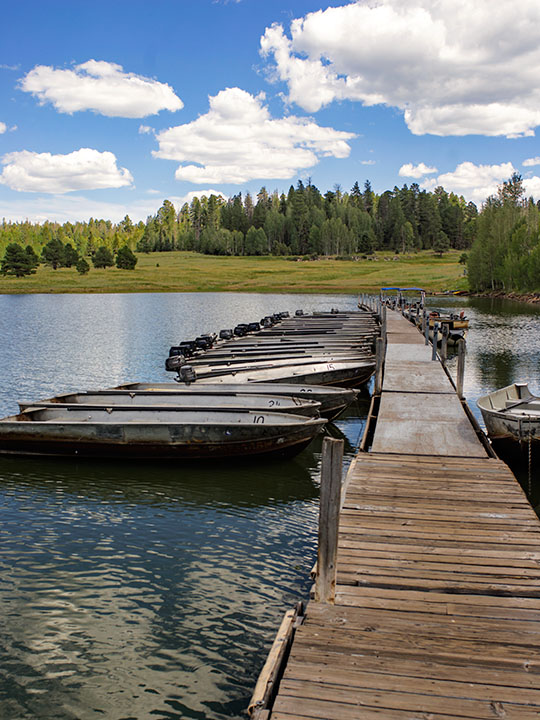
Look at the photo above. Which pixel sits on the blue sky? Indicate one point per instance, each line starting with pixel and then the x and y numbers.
pixel 108 108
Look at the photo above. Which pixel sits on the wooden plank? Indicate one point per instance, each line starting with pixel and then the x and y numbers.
pixel 397 352
pixel 427 437
pixel 412 377
pixel 359 698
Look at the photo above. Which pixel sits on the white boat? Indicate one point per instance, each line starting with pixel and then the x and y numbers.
pixel 150 433
pixel 512 419
pixel 333 400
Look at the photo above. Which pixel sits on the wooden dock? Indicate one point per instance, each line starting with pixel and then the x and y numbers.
pixel 437 597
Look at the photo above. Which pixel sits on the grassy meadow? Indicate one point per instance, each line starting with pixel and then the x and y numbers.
pixel 191 272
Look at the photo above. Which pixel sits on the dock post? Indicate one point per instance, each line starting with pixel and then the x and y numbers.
pixel 435 340
pixel 444 343
pixel 331 467
pixel 460 368
pixel 379 362
pixel 383 324
pixel 425 327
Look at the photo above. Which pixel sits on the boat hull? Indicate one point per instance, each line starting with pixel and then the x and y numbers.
pixel 337 374
pixel 181 401
pixel 512 419
pixel 258 434
pixel 333 400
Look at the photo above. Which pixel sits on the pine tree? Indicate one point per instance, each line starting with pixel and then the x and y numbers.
pixel 16 262
pixel 125 258
pixel 103 257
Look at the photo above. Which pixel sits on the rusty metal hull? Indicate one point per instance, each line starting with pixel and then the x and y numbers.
pixel 133 434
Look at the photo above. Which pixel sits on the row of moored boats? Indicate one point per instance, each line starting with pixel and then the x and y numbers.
pixel 264 390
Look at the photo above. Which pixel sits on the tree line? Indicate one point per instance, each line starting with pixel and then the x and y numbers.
pixel 305 222
pixel 505 254
pixel 301 222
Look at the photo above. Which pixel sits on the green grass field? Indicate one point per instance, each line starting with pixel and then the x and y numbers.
pixel 190 272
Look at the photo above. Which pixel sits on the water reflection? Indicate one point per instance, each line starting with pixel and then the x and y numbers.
pixel 127 595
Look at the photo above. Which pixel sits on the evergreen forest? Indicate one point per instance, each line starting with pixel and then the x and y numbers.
pixel 501 241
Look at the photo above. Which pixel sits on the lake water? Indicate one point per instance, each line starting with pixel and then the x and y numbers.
pixel 134 591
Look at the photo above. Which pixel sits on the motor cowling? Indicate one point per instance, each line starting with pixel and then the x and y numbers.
pixel 174 363
pixel 187 374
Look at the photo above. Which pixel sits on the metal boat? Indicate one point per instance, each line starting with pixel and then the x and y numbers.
pixel 332 400
pixel 151 433
pixel 340 373
pixel 512 419
pixel 185 401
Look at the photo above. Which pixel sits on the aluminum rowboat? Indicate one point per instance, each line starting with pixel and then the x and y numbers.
pixel 333 400
pixel 151 434
pixel 183 401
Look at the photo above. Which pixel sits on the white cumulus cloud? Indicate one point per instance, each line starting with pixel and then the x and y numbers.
pixel 238 140
pixel 474 182
pixel 3 128
pixel 416 171
pixel 452 67
pixel 102 87
pixel 530 162
pixel 84 169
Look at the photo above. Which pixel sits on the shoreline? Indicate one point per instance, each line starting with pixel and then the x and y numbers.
pixel 527 298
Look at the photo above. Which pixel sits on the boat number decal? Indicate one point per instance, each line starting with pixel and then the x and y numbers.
pixel 330 366
pixel 271 403
pixel 258 419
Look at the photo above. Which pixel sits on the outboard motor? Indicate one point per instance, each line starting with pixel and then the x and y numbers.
pixel 226 334
pixel 266 322
pixel 186 375
pixel 203 343
pixel 276 318
pixel 189 348
pixel 241 330
pixel 254 327
pixel 284 315
pixel 174 363
pixel 299 313
pixel 176 350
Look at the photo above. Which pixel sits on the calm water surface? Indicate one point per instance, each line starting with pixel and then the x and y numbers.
pixel 148 590
pixel 133 591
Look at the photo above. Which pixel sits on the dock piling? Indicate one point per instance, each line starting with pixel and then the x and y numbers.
pixel 332 460
pixel 460 368
pixel 444 343
pixel 435 340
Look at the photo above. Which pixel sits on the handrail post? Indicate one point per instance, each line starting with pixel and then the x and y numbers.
pixel 379 363
pixel 444 342
pixel 425 327
pixel 330 505
pixel 460 368
pixel 435 340
pixel 383 323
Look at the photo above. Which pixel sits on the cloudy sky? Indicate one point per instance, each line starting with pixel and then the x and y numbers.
pixel 108 108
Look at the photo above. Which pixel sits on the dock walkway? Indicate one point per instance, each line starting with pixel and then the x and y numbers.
pixel 437 604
